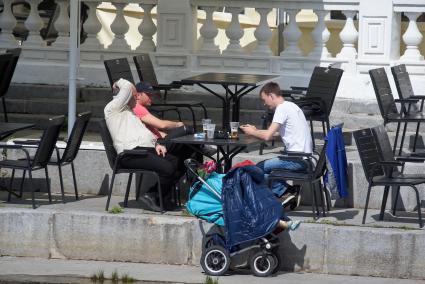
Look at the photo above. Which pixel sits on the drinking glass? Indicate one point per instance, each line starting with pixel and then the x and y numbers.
pixel 210 130
pixel 234 125
pixel 205 122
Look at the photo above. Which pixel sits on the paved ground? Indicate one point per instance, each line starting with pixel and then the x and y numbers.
pixel 37 270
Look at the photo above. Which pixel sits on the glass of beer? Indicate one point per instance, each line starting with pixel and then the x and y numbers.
pixel 234 125
pixel 210 130
pixel 205 122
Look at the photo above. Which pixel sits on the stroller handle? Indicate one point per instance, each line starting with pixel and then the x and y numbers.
pixel 191 165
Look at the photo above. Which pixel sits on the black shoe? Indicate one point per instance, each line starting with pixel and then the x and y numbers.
pixel 148 199
pixel 295 190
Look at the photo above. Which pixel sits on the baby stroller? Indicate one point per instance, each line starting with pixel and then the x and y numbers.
pixel 219 251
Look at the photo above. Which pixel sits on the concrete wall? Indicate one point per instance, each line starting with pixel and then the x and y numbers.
pixel 161 239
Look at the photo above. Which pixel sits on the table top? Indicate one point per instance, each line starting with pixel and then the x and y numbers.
pixel 229 79
pixel 244 140
pixel 8 128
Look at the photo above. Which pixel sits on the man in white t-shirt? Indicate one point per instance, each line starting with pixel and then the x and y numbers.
pixel 290 122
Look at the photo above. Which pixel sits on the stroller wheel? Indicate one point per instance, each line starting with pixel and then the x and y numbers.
pixel 263 264
pixel 278 261
pixel 215 260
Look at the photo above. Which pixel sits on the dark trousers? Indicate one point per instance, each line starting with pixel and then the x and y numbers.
pixel 165 167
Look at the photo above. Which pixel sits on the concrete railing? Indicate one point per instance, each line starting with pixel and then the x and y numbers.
pixel 184 36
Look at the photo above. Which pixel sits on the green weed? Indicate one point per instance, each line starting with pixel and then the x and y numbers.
pixel 116 210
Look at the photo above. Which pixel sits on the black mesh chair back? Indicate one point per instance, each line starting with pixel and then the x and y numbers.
pixel 383 93
pixel 5 61
pixel 75 138
pixel 324 84
pixel 369 153
pixel 48 141
pixel 320 168
pixel 145 69
pixel 385 149
pixel 117 69
pixel 111 153
pixel 15 52
pixel 403 84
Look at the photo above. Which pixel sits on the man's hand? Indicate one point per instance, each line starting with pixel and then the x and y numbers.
pixel 248 129
pixel 160 150
pixel 179 124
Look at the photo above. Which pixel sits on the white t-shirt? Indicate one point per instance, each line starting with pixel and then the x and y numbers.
pixel 294 128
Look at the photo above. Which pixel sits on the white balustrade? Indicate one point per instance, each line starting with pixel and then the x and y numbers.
pixel 208 32
pixel 34 24
pixel 92 27
pixel 62 25
pixel 234 32
pixel 7 24
pixel 119 27
pixel 263 33
pixel 291 35
pixel 349 37
pixel 412 38
pixel 321 36
pixel 147 29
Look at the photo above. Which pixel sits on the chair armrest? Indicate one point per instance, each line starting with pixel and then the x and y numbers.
pixel 27 142
pixel 10 146
pixel 409 101
pixel 391 163
pixel 289 93
pixel 133 152
pixel 418 97
pixel 311 100
pixel 411 159
pixel 298 88
pixel 295 154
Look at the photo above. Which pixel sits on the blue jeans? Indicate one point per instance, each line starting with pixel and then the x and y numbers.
pixel 280 186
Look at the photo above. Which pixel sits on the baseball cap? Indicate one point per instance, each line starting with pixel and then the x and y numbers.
pixel 145 88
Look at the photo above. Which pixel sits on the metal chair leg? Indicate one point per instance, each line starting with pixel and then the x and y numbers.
pixel 416 137
pixel 110 191
pixel 21 186
pixel 61 182
pixel 161 203
pixel 127 191
pixel 367 203
pixel 419 206
pixel 322 198
pixel 48 184
pixel 384 202
pixel 4 109
pixel 75 181
pixel 396 199
pixel 402 139
pixel 396 137
pixel 9 196
pixel 32 189
pixel 139 184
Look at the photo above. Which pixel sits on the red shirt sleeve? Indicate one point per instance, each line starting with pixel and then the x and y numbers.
pixel 140 111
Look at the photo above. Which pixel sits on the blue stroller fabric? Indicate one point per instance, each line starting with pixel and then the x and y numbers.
pixel 250 209
pixel 205 204
pixel 335 154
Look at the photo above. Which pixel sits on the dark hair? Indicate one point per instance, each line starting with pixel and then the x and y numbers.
pixel 271 87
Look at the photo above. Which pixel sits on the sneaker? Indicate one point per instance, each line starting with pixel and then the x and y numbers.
pixel 293 225
pixel 296 191
pixel 286 198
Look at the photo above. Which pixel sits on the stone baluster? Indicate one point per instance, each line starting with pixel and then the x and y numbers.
pixel 349 36
pixel 234 32
pixel 263 33
pixel 208 32
pixel 62 25
pixel 119 27
pixel 320 35
pixel 92 26
pixel 7 24
pixel 291 35
pixel 412 38
pixel 34 24
pixel 147 29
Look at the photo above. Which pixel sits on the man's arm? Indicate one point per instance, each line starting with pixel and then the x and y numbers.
pixel 121 99
pixel 151 120
pixel 266 134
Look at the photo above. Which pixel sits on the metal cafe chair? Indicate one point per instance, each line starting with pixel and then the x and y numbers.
pixel 147 74
pixel 69 154
pixel 114 162
pixel 313 175
pixel 45 148
pixel 388 108
pixel 120 68
pixel 317 99
pixel 405 91
pixel 381 167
